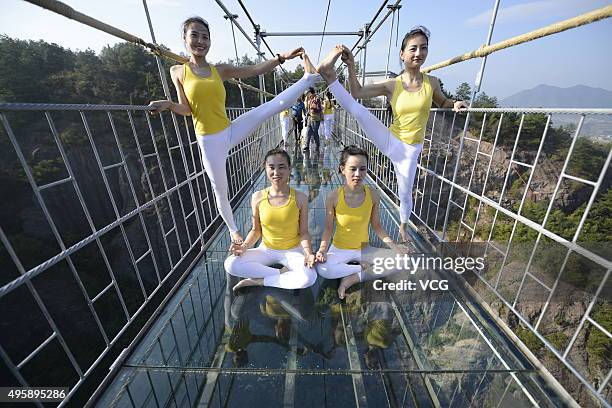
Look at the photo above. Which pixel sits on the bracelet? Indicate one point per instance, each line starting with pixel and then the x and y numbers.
pixel 281 60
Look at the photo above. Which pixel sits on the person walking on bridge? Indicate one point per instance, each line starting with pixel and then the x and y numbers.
pixel 410 94
pixel 201 94
pixel 298 111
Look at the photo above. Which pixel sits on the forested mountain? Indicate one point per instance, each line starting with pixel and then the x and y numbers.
pixel 37 72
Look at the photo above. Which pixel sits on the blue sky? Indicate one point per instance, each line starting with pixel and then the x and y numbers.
pixel 579 56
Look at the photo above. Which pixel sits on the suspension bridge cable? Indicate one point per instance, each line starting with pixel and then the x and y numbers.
pixel 384 100
pixel 365 36
pixel 247 13
pixel 256 27
pixel 324 27
pixel 68 12
pixel 583 19
pixel 237 62
pixel 389 49
pixel 392 8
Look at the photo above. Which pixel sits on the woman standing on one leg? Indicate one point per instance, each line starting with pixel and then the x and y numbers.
pixel 328 116
pixel 280 218
pixel 201 94
pixel 410 94
pixel 285 121
pixel 353 208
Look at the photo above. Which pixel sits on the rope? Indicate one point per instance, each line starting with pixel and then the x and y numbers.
pixel 324 27
pixel 564 25
pixel 67 11
pixel 69 106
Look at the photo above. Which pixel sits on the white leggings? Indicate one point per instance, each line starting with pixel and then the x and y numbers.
pixel 254 264
pixel 328 122
pixel 337 266
pixel 285 127
pixel 404 156
pixel 215 147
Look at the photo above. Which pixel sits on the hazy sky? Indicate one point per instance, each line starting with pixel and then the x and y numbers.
pixel 579 56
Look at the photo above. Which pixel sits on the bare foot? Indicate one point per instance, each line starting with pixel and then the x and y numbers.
pixel 248 282
pixel 308 67
pixel 326 67
pixel 403 232
pixel 346 283
pixel 283 269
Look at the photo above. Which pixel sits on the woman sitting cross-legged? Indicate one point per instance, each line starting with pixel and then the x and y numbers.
pixel 352 207
pixel 280 218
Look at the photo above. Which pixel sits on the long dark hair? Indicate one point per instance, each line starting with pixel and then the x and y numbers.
pixel 351 150
pixel 413 33
pixel 281 152
pixel 194 19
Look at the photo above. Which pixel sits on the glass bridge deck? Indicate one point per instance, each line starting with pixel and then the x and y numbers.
pixel 271 347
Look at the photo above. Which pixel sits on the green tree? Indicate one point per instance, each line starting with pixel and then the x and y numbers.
pixel 463 92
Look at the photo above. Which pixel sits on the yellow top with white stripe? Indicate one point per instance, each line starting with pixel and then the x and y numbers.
pixel 280 226
pixel 206 96
pixel 410 111
pixel 352 223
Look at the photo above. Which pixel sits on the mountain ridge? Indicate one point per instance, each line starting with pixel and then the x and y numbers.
pixel 550 96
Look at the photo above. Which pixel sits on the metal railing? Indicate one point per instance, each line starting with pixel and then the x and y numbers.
pixel 109 208
pixel 517 173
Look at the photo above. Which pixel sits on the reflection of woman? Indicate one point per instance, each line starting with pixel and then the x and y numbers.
pixel 285 121
pixel 280 218
pixel 411 96
pixel 328 116
pixel 311 175
pixel 379 330
pixel 200 91
pixel 353 208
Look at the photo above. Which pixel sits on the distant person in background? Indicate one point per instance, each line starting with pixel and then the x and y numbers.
pixel 314 107
pixel 298 111
pixel 328 116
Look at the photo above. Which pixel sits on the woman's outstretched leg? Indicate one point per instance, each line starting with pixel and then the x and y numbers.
pixel 246 123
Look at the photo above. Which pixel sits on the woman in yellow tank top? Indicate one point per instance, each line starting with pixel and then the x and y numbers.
pixel 280 218
pixel 410 94
pixel 201 94
pixel 352 208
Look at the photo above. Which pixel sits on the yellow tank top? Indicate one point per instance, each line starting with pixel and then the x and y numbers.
pixel 352 223
pixel 410 111
pixel 328 108
pixel 284 113
pixel 280 226
pixel 206 97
